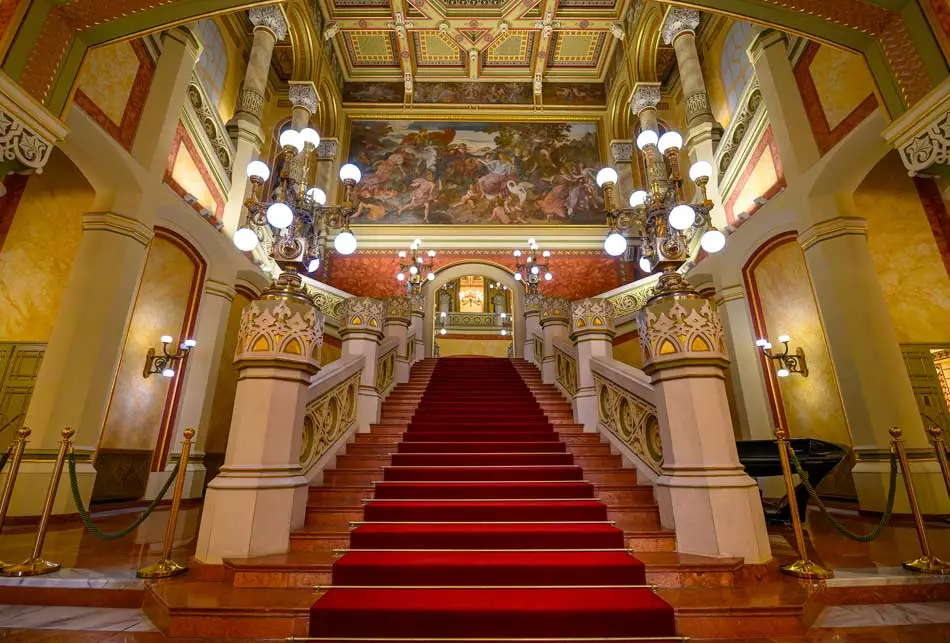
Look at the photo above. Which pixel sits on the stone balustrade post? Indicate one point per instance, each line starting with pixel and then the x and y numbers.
pixel 260 494
pixel 592 331
pixel 532 324
pixel 417 309
pixel 361 328
pixel 396 323
pixel 555 319
pixel 703 490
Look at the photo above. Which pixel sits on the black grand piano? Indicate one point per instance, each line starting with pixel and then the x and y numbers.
pixel 818 459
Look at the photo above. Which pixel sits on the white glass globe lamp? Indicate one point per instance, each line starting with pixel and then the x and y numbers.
pixel 645 265
pixel 345 243
pixel 647 138
pixel 535 270
pixel 280 215
pixel 443 332
pixel 615 244
pixel 606 175
pixel 310 135
pixel 682 217
pixel 713 241
pixel 291 138
pixel 700 170
pixel 548 276
pixel 245 239
pixel 400 276
pixel 317 195
pixel 350 172
pixel 638 198
pixel 313 264
pixel 517 276
pixel 669 141
pixel 258 170
pixel 413 270
pixel 431 276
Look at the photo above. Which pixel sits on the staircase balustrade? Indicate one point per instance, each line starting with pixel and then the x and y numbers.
pixel 386 366
pixel 538 349
pixel 565 367
pixel 330 414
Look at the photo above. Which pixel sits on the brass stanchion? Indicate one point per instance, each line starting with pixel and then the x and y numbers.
pixel 166 567
pixel 16 455
pixel 35 564
pixel 802 568
pixel 936 437
pixel 926 563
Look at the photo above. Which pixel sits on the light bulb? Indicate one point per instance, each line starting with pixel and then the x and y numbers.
pixel 419 259
pixel 345 243
pixel 503 315
pixel 291 138
pixel 258 170
pixel 166 339
pixel 443 332
pixel 245 239
pixel 535 270
pixel 431 253
pixel 402 254
pixel 350 172
pixel 313 264
pixel 767 346
pixel 310 135
pixel 548 276
pixel 638 198
pixel 190 343
pixel 531 242
pixel 517 253
pixel 317 195
pixel 443 314
pixel 713 241
pixel 517 276
pixel 682 217
pixel 783 372
pixel 546 254
pixel 647 138
pixel 400 276
pixel 431 276
pixel 280 215
pixel 615 244
pixel 417 243
pixel 504 332
pixel 645 265
pixel 700 170
pixel 413 270
pixel 168 372
pixel 605 176
pixel 761 343
pixel 784 339
pixel 669 141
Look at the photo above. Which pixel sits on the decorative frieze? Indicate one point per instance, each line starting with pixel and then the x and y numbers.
pixel 303 93
pixel 679 327
pixel 362 314
pixel 271 18
pixel 922 133
pixel 251 102
pixel 398 310
pixel 594 315
pixel 621 151
pixel 532 303
pixel 739 127
pixel 417 304
pixel 697 105
pixel 679 20
pixel 555 310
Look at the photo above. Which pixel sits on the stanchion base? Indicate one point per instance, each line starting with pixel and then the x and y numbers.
pixel 30 567
pixel 927 565
pixel 162 569
pixel 806 569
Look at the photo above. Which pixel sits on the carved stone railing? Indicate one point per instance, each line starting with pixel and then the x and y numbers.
pixel 327 299
pixel 330 413
pixel 627 412
pixel 386 366
pixel 411 348
pixel 207 130
pixel 740 138
pixel 565 367
pixel 630 298
pixel 480 321
pixel 922 133
pixel 538 344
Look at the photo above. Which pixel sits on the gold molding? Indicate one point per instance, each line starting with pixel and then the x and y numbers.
pixel 118 224
pixel 832 228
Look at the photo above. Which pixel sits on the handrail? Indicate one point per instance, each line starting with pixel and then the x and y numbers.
pixel 330 405
pixel 565 366
pixel 538 345
pixel 386 366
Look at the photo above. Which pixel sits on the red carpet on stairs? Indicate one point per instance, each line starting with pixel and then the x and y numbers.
pixel 484 528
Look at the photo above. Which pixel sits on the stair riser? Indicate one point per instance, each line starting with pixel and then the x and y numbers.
pixel 635 521
pixel 349 477
pixel 651 543
pixel 611 477
pixel 329 497
pixel 758 623
pixel 217 625
pixel 334 519
pixel 691 579
pixel 284 579
pixel 640 496
pixel 310 543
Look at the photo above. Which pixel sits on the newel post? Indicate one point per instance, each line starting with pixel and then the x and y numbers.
pixel 361 328
pixel 592 330
pixel 555 319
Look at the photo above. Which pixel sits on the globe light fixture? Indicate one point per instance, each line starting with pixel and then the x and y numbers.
pixel 258 170
pixel 280 215
pixel 350 172
pixel 419 263
pixel 529 266
pixel 345 243
pixel 785 362
pixel 615 244
pixel 164 364
pixel 245 239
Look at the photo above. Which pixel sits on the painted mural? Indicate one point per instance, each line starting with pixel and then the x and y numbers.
pixel 574 94
pixel 473 93
pixel 471 173
pixel 372 92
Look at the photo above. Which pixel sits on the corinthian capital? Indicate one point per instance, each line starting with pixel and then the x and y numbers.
pixel 645 96
pixel 270 18
pixel 678 20
pixel 303 93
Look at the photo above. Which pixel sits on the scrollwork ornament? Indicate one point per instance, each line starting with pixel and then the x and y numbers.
pixel 555 310
pixel 645 96
pixel 621 151
pixel 682 326
pixel 532 302
pixel 20 143
pixel 679 20
pixel 930 147
pixel 593 315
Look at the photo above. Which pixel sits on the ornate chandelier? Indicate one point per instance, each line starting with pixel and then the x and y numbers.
pixel 416 266
pixel 293 223
pixel 530 270
pixel 667 225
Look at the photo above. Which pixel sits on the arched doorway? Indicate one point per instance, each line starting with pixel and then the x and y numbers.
pixel 491 274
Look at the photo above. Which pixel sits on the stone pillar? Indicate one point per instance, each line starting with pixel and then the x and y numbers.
pixel 417 308
pixel 703 131
pixel 162 110
pixel 361 328
pixel 532 324
pixel 326 173
pixel 703 491
pixel 592 331
pixel 245 128
pixel 646 96
pixel 622 157
pixel 303 101
pixel 396 324
pixel 197 391
pixel 75 379
pixel 875 387
pixel 260 494
pixel 555 319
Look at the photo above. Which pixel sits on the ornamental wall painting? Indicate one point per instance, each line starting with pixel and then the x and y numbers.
pixel 476 173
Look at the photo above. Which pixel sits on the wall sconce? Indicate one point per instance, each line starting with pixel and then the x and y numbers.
pixel 787 363
pixel 164 364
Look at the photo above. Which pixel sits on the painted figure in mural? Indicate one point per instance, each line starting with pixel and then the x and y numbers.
pixel 476 172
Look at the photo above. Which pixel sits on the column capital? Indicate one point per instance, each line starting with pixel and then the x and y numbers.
pixel 592 316
pixel 621 151
pixel 398 310
pixel 555 310
pixel 361 315
pixel 532 303
pixel 645 96
pixel 118 224
pixel 303 94
pixel 681 330
pixel 679 20
pixel 831 229
pixel 417 304
pixel 270 18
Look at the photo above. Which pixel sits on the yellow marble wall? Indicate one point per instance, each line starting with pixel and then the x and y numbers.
pixel 223 405
pixel 762 177
pixel 628 351
pixel 908 263
pixel 842 81
pixel 185 173
pixel 329 353
pixel 487 347
pixel 107 77
pixel 812 405
pixel 39 250
pixel 134 418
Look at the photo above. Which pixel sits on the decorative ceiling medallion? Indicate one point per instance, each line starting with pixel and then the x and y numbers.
pixel 371 48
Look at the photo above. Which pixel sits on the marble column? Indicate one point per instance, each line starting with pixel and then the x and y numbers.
pixel 75 380
pixel 197 392
pixel 417 308
pixel 361 328
pixel 555 319
pixel 398 317
pixel 643 103
pixel 245 127
pixel 621 157
pixel 592 331
pixel 532 325
pixel 703 131
pixel 162 110
pixel 260 494
pixel 703 490
pixel 325 176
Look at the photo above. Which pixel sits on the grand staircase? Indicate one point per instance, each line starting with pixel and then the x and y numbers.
pixel 477 509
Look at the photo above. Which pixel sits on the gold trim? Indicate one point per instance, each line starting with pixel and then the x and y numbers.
pixel 832 228
pixel 647 639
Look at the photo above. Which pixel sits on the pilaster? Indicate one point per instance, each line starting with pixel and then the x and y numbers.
pixel 555 320
pixel 396 323
pixel 361 328
pixel 532 324
pixel 417 309
pixel 592 331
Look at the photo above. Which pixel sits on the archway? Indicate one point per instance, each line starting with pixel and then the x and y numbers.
pixel 490 270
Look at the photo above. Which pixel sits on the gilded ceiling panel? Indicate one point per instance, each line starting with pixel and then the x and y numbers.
pixel 371 48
